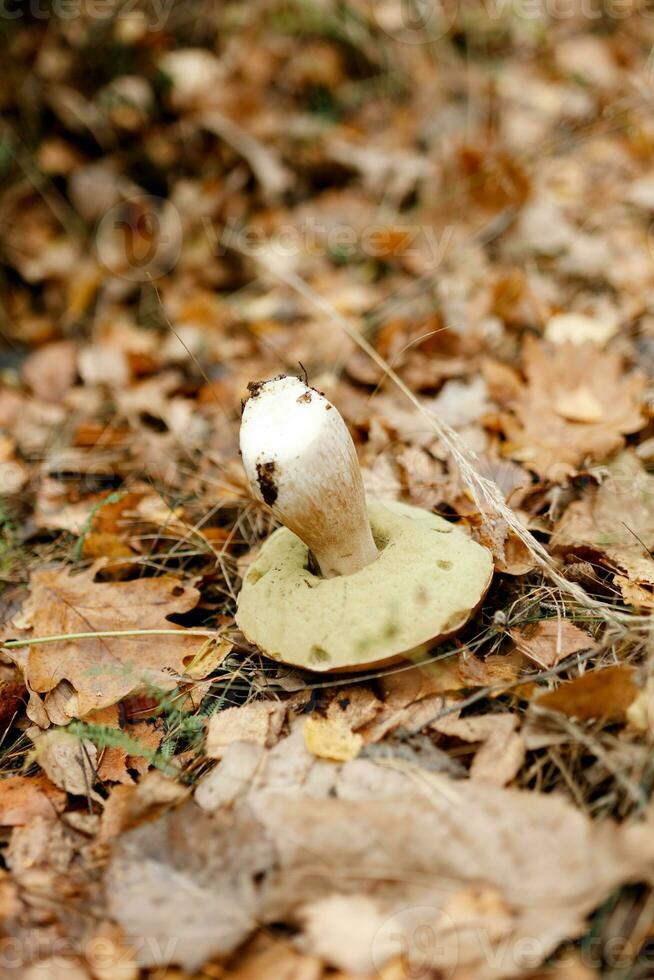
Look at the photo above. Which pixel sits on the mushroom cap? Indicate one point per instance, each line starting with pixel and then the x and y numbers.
pixel 427 581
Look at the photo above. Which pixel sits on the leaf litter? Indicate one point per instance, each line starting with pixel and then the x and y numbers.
pixel 480 314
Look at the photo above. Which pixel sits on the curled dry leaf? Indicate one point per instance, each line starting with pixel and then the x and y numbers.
pixel 103 670
pixel 549 641
pixel 576 406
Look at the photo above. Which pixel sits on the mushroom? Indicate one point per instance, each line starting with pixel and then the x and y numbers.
pixel 346 584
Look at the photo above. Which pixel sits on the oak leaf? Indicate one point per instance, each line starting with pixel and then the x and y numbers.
pixel 575 408
pixel 102 670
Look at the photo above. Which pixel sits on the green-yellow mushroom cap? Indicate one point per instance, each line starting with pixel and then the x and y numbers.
pixel 392 579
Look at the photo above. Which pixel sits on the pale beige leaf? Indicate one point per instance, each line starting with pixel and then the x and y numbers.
pixel 259 722
pixel 328 851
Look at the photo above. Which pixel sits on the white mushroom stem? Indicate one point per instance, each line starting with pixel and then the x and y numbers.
pixel 300 460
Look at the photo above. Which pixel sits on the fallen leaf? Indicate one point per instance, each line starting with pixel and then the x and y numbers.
pixel 614 521
pixel 70 762
pixel 231 777
pixel 577 328
pixel 50 371
pixel 330 738
pixel 576 406
pixel 404 689
pixel 103 670
pixel 115 761
pixel 353 706
pixel 12 695
pixel 22 798
pixel 548 641
pixel 259 722
pixel 268 957
pixel 329 852
pixel 606 693
pixel 579 405
pixel 194 892
pixel 108 956
pixel 502 753
pixel 640 713
pixel 517 558
pixel 494 670
pixel 128 805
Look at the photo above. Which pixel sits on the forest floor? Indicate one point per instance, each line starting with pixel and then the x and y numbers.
pixel 442 215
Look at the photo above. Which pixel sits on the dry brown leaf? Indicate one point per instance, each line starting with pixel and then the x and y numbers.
pixel 115 762
pixel 502 753
pixel 517 558
pixel 12 695
pixel 70 762
pixel 494 670
pixel 103 670
pixel 50 371
pixel 549 641
pixel 127 805
pixel 22 798
pixel 576 406
pixel 149 737
pixel 327 849
pixel 354 706
pixel 108 956
pixel 330 738
pixel 56 968
pixel 202 896
pixel 606 693
pixel 616 521
pixel 270 958
pixel 259 722
pixel 406 688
